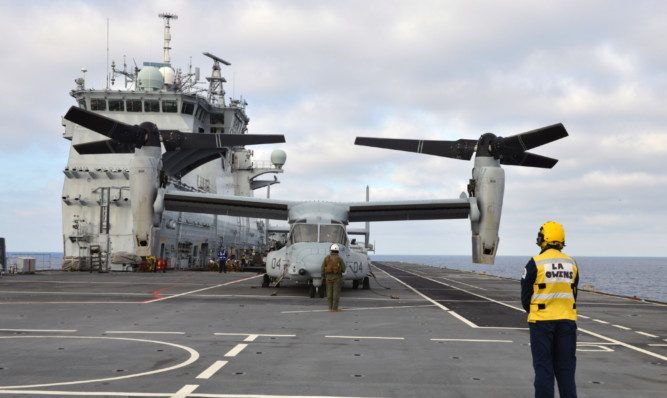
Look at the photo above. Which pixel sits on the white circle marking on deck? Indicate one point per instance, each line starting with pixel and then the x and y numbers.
pixel 194 355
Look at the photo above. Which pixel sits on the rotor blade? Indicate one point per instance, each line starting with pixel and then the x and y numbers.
pixel 102 147
pixel 124 133
pixel 528 159
pixel 534 138
pixel 176 140
pixel 460 149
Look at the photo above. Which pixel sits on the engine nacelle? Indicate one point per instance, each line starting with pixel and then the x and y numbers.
pixel 144 176
pixel 488 186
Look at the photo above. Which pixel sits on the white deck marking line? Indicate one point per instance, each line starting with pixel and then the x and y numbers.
pixel 621 327
pixel 393 307
pixel 139 332
pixel 251 337
pixel 626 345
pixel 463 319
pixel 442 307
pixel 235 351
pixel 601 321
pixel 600 347
pixel 365 337
pixel 194 356
pixel 69 302
pixel 201 290
pixel 217 365
pixel 657 345
pixel 254 334
pixel 646 334
pixel 185 391
pixel 463 283
pixel 40 330
pixel 75 293
pixel 84 393
pixel 593 343
pixel 475 340
pixel 156 394
pixel 583 316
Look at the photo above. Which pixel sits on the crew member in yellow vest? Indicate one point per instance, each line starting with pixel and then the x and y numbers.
pixel 333 268
pixel 548 294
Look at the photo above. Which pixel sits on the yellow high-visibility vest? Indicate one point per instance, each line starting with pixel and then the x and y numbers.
pixel 554 288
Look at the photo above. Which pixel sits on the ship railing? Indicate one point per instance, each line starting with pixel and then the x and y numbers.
pixel 32 262
pixel 257 164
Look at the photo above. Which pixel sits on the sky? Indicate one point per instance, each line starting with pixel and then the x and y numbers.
pixel 325 72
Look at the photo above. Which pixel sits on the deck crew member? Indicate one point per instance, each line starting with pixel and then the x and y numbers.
pixel 222 260
pixel 548 294
pixel 333 268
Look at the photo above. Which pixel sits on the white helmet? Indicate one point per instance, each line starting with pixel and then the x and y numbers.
pixel 334 248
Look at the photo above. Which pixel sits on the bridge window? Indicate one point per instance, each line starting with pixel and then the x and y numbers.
pixel 217 118
pixel 188 108
pixel 133 105
pixel 97 104
pixel 169 107
pixel 152 106
pixel 200 113
pixel 332 234
pixel 304 233
pixel 117 105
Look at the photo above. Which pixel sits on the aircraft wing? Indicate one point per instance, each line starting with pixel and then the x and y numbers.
pixel 411 210
pixel 239 206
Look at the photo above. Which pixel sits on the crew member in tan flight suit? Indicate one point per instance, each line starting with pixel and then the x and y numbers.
pixel 332 272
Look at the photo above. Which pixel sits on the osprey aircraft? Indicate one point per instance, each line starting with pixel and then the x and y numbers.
pixel 314 226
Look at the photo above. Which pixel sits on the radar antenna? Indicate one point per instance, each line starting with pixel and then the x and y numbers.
pixel 167 35
pixel 216 94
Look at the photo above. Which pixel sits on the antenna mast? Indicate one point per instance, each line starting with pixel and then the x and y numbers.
pixel 167 34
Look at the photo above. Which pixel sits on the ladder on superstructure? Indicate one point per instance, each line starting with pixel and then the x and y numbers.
pixel 95 258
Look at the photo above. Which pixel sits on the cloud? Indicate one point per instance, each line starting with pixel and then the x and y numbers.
pixel 323 73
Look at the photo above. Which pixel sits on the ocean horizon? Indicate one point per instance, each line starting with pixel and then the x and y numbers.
pixel 636 277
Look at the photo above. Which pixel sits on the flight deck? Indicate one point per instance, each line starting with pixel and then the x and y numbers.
pixel 419 331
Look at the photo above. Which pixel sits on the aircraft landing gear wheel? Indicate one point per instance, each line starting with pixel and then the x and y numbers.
pixel 355 283
pixel 322 290
pixel 266 281
pixel 367 283
pixel 312 291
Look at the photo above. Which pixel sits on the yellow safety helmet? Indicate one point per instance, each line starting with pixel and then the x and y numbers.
pixel 551 234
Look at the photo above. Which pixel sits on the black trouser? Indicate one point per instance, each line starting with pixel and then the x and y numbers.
pixel 554 344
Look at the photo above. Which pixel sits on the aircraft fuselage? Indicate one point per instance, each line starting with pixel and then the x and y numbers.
pixel 302 262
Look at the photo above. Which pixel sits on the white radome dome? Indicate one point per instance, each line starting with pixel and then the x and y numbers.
pixel 150 79
pixel 278 158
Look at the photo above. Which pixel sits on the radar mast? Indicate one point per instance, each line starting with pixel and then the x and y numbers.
pixel 167 35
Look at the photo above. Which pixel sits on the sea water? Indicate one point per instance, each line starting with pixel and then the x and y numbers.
pixel 641 277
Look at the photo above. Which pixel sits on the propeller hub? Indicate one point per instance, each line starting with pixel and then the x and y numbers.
pixel 148 135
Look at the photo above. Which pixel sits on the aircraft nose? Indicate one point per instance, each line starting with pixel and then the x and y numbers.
pixel 309 260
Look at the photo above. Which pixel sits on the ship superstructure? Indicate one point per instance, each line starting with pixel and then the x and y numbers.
pixel 105 211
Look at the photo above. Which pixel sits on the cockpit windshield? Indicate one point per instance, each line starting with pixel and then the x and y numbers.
pixel 327 233
pixel 304 233
pixel 332 234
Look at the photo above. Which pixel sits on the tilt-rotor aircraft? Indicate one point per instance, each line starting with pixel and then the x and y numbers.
pixel 314 226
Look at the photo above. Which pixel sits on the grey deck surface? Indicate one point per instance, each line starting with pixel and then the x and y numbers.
pixel 418 332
